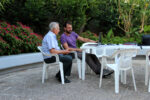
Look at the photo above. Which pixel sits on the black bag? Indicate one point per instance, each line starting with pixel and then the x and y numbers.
pixel 146 40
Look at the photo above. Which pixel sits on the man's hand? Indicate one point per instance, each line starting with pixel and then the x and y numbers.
pixel 71 49
pixel 85 39
pixel 54 51
pixel 77 49
pixel 93 41
pixel 65 51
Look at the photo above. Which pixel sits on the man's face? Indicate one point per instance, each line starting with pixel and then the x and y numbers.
pixel 68 28
pixel 56 30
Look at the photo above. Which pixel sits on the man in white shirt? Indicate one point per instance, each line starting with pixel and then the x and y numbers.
pixel 50 46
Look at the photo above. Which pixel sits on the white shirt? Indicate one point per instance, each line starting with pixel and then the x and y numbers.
pixel 49 42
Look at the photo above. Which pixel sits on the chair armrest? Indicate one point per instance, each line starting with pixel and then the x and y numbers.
pixel 44 54
pixel 148 53
pixel 82 48
pixel 87 43
pixel 147 56
pixel 56 55
pixel 75 53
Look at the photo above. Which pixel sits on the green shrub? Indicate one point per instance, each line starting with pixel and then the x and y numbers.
pixel 88 35
pixel 15 39
pixel 110 38
pixel 147 29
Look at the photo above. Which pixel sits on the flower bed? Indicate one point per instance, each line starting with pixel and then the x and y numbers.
pixel 15 39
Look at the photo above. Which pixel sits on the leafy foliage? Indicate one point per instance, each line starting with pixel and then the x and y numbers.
pixel 30 12
pixel 83 14
pixel 2 2
pixel 18 38
pixel 110 38
pixel 133 15
pixel 147 29
pixel 88 35
pixel 115 18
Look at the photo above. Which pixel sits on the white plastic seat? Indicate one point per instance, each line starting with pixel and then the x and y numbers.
pixel 76 60
pixel 123 62
pixel 147 69
pixel 45 66
pixel 89 51
pixel 93 51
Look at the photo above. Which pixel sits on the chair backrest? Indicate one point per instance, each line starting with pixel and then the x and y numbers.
pixel 43 53
pixel 87 43
pixel 88 50
pixel 62 47
pixel 148 57
pixel 123 58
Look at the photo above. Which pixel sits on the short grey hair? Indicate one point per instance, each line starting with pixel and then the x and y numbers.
pixel 53 25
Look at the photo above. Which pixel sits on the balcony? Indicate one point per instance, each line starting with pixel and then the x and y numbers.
pixel 24 83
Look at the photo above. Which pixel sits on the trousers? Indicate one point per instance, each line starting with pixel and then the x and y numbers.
pixel 66 60
pixel 91 60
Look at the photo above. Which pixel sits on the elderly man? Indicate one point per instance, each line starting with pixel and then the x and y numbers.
pixel 68 40
pixel 50 46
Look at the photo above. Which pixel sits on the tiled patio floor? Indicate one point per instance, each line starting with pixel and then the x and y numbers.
pixel 26 85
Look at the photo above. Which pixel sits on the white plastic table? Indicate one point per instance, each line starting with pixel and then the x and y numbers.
pixel 103 50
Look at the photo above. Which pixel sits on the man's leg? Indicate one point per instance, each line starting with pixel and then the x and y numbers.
pixel 50 60
pixel 97 66
pixel 92 61
pixel 72 55
pixel 94 64
pixel 67 64
pixel 97 63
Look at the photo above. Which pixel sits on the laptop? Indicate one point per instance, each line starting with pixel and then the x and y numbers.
pixel 99 41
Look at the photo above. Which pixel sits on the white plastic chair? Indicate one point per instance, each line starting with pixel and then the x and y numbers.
pixel 88 50
pixel 123 62
pixel 93 51
pixel 45 66
pixel 147 69
pixel 76 60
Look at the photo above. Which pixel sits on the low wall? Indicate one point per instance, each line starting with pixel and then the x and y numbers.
pixel 29 58
pixel 20 59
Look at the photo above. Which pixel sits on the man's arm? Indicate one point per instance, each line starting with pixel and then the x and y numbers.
pixel 66 47
pixel 54 51
pixel 85 39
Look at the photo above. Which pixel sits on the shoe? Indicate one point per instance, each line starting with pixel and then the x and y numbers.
pixel 58 77
pixel 65 79
pixel 107 73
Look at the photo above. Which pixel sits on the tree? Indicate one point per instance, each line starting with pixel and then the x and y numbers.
pixel 130 12
pixel 2 3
